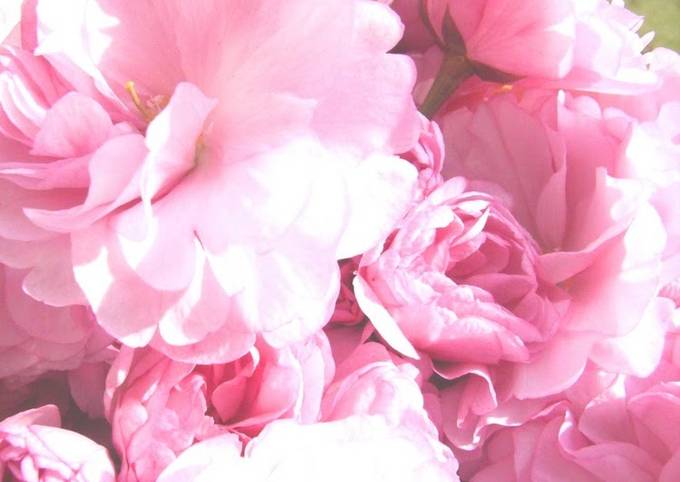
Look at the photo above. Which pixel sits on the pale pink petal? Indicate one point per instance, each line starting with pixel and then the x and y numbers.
pixel 196 462
pixel 381 319
pixel 372 191
pixel 76 125
pixel 639 351
pixel 555 368
pixel 359 448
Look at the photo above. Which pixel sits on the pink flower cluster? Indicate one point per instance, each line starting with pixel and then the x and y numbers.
pixel 277 240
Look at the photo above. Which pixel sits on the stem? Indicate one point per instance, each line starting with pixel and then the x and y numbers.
pixel 454 70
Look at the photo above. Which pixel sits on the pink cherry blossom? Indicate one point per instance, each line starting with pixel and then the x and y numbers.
pixel 34 448
pixel 359 448
pixel 183 404
pixel 159 407
pixel 457 282
pixel 458 278
pixel 598 234
pixel 606 427
pixel 155 409
pixel 590 140
pixel 247 153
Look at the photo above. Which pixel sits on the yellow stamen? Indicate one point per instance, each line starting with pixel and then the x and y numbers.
pixel 200 147
pixel 503 89
pixel 130 87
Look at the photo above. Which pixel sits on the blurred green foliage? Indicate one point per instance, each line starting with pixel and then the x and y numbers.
pixel 661 16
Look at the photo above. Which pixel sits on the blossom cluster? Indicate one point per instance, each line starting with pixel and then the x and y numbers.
pixel 303 240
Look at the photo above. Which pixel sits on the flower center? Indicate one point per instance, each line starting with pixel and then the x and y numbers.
pixel 149 109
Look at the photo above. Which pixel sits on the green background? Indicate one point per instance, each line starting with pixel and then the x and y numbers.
pixel 661 16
